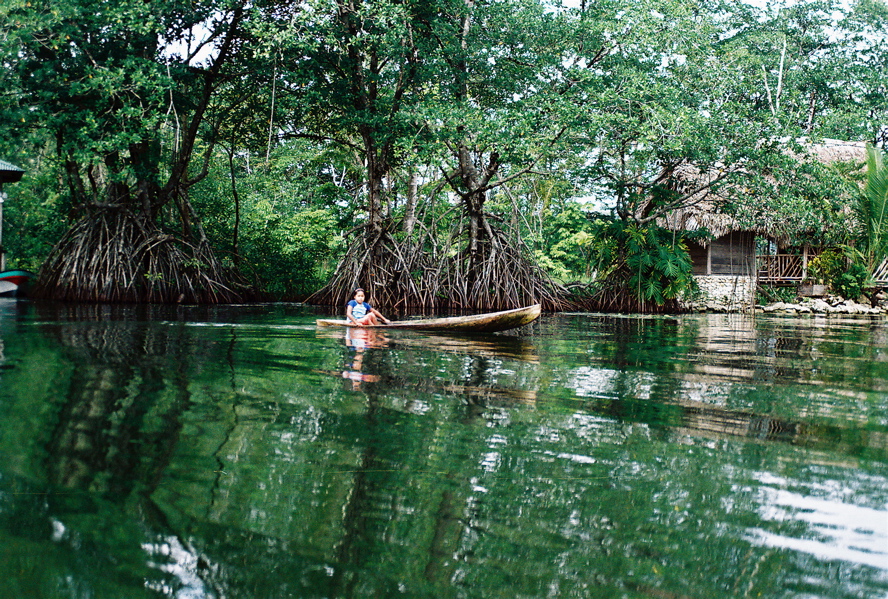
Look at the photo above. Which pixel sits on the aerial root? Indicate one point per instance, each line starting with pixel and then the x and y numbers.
pixel 113 256
pixel 424 273
pixel 615 296
pixel 393 274
pixel 499 276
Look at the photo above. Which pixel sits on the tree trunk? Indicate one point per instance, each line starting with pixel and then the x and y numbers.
pixel 410 208
pixel 376 172
pixel 235 244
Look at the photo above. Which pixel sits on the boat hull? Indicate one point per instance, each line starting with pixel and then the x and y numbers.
pixel 477 323
pixel 15 283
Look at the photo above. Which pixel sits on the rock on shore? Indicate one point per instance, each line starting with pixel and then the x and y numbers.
pixel 833 305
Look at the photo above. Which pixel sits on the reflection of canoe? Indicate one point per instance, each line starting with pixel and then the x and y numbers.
pixel 15 282
pixel 484 346
pixel 493 321
pixel 487 346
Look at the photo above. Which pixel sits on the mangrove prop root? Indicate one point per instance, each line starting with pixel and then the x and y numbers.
pixel 615 296
pixel 428 274
pixel 499 275
pixel 395 275
pixel 112 255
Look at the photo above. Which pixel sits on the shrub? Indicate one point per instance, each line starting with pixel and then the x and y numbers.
pixel 827 266
pixel 845 275
pixel 652 263
pixel 851 283
pixel 767 295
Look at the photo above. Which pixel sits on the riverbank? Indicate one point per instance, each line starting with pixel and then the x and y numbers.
pixel 827 306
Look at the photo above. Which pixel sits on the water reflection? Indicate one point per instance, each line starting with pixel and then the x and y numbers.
pixel 829 528
pixel 359 340
pixel 188 569
pixel 187 454
pixel 486 346
pixel 119 415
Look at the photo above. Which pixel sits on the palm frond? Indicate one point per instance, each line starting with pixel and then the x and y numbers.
pixel 875 200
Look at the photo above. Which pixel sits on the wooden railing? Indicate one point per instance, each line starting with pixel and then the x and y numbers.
pixel 880 274
pixel 786 269
pixel 780 268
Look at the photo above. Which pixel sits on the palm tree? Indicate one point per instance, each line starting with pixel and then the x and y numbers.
pixel 873 208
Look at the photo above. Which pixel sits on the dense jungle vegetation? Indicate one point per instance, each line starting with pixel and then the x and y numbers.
pixel 441 153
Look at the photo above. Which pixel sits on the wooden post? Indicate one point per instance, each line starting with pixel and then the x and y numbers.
pixel 805 262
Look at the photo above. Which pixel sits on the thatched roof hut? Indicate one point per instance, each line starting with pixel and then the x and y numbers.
pixel 731 250
pixel 702 210
pixel 831 151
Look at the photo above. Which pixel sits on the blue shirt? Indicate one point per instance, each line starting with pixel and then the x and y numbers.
pixel 359 311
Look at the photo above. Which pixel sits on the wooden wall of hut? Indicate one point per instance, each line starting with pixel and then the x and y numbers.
pixel 699 258
pixel 731 254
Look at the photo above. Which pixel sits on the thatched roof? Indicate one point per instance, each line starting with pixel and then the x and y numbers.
pixel 703 213
pixel 700 216
pixel 831 151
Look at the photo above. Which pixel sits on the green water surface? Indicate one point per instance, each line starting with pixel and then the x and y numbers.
pixel 240 451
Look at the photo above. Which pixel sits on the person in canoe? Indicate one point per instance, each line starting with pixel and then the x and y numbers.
pixel 361 313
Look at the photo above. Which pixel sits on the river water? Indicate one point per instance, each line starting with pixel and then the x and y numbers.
pixel 240 451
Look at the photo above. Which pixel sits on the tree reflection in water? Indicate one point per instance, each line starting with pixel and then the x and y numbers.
pixel 180 453
pixel 119 420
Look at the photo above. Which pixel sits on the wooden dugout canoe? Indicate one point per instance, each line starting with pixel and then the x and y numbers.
pixel 477 323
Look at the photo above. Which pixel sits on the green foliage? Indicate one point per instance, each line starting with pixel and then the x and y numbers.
pixel 853 282
pixel 842 270
pixel 806 200
pixel 34 213
pixel 605 99
pixel 828 265
pixel 291 256
pixel 291 215
pixel 767 295
pixel 567 240
pixel 873 207
pixel 92 77
pixel 652 262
